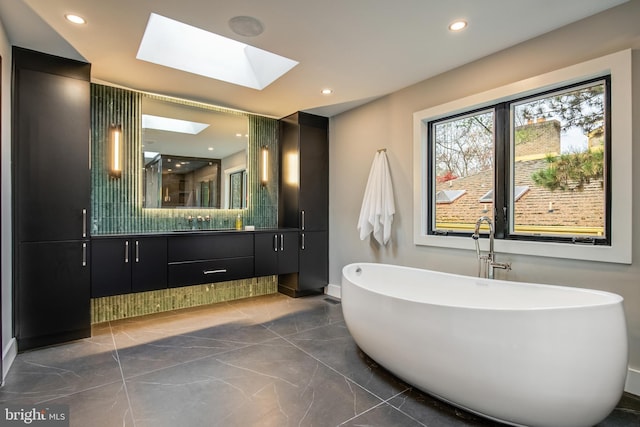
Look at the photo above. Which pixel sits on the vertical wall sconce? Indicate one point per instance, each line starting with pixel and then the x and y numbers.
pixel 264 165
pixel 114 161
pixel 292 168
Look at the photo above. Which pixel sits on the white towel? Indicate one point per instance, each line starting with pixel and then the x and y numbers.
pixel 376 213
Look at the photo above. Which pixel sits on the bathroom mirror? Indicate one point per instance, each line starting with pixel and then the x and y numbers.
pixel 194 156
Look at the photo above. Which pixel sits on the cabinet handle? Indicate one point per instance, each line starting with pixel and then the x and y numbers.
pixel 302 220
pixel 84 254
pixel 84 223
pixel 126 251
pixel 282 242
pixel 302 242
pixel 224 270
pixel 275 243
pixel 137 251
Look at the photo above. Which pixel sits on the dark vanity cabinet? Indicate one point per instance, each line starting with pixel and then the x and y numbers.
pixel 53 293
pixel 276 252
pixel 304 199
pixel 125 265
pixel 51 198
pixel 208 258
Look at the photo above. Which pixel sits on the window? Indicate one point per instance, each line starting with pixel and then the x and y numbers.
pixel 536 157
pixel 238 190
pixel 558 143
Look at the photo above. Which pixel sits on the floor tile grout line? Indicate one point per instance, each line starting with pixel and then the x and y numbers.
pixel 385 402
pixel 124 381
pixel 208 356
pixel 382 400
pixel 61 396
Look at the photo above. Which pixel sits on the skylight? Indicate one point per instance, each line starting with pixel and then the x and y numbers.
pixel 519 191
pixel 172 125
pixel 173 44
pixel 449 196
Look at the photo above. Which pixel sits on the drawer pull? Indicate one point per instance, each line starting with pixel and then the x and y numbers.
pixel 84 223
pixel 214 271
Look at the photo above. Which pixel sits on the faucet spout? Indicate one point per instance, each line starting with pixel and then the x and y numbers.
pixel 489 260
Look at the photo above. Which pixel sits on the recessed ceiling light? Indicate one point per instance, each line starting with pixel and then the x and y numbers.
pixel 76 19
pixel 458 25
pixel 173 44
pixel 210 148
pixel 327 91
pixel 172 125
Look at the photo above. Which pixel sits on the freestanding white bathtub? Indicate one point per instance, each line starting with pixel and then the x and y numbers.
pixel 520 353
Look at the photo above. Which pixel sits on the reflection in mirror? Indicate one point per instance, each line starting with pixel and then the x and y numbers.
pixel 193 157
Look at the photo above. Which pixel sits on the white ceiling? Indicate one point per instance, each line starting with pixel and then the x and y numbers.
pixel 362 49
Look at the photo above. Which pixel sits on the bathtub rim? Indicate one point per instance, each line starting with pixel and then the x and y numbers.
pixel 610 298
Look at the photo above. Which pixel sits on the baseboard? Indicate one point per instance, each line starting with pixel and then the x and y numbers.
pixel 633 382
pixel 8 356
pixel 333 290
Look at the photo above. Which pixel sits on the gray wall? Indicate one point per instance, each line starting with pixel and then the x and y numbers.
pixel 388 122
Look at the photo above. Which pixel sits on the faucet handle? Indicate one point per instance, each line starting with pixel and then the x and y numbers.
pixel 502 265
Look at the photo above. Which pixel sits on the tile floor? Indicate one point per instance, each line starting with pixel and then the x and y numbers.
pixel 267 361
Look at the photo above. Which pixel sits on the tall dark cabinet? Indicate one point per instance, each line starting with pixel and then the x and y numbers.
pixel 51 198
pixel 304 199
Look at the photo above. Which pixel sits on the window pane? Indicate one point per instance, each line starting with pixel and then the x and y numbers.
pixel 236 193
pixel 463 155
pixel 558 152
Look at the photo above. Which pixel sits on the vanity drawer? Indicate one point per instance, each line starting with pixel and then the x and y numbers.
pixel 208 247
pixel 209 271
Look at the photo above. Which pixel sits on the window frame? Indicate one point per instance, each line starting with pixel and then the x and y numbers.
pixel 504 170
pixel 618 66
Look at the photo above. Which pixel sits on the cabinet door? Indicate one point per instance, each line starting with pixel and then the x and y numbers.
pixel 149 257
pixel 314 179
pixel 314 261
pixel 288 252
pixel 53 183
pixel 52 293
pixel 266 254
pixel 110 267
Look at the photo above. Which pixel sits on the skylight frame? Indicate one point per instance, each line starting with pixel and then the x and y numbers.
pixel 169 124
pixel 177 45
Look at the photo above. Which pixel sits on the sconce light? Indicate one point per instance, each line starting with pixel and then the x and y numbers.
pixel 264 165
pixel 291 168
pixel 115 151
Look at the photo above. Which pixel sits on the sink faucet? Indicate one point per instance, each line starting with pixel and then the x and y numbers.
pixel 489 260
